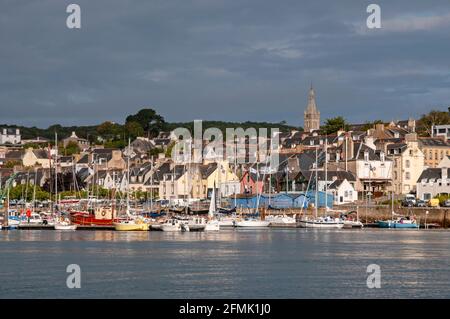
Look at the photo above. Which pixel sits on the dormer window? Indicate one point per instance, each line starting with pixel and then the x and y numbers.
pixel 382 156
pixel 366 156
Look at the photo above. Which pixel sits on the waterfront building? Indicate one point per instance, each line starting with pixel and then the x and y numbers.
pixel 435 149
pixel 408 164
pixel 433 182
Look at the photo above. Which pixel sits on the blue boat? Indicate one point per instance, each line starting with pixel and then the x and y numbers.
pixel 401 223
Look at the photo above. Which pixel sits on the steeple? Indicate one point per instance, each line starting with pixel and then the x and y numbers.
pixel 311 115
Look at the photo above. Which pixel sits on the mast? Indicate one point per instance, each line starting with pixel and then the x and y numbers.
pixel 128 178
pixel 326 173
pixel 317 187
pixel 34 190
pixel 56 170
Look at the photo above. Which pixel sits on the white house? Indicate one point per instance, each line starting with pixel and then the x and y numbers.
pixel 343 192
pixel 10 136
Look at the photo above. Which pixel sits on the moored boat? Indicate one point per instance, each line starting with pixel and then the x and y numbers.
pixel 399 223
pixel 252 222
pixel 322 222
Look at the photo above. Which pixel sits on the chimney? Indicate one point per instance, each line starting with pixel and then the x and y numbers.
pixel 379 127
pixel 411 137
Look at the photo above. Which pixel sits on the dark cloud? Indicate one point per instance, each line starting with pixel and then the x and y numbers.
pixel 230 60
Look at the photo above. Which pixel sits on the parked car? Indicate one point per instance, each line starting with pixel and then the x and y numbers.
pixel 421 203
pixel 434 202
pixel 447 203
pixel 407 203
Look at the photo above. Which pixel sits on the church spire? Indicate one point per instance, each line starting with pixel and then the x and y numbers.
pixel 312 114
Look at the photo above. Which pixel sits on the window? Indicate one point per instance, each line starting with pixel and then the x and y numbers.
pixel 407 176
pixel 426 196
pixel 407 164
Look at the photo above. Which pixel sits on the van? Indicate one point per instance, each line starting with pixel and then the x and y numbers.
pixel 434 202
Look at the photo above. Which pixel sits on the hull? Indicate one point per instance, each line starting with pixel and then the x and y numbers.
pixel 131 227
pixel 320 224
pixel 171 228
pixel 65 227
pixel 353 224
pixel 212 226
pixel 397 225
pixel 89 220
pixel 252 223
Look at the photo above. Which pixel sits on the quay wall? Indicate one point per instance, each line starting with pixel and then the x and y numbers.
pixel 436 215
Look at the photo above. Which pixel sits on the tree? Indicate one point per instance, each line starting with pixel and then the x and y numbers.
pixel 71 148
pixel 109 130
pixel 134 129
pixel 149 120
pixel 434 117
pixel 12 163
pixel 334 124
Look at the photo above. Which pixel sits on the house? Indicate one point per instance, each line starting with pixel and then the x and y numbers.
pixel 221 176
pixel 408 164
pixel 10 136
pixel 82 143
pixel 434 149
pixel 440 131
pixel 142 145
pixel 107 158
pixel 343 192
pixel 371 167
pixel 41 157
pixel 433 182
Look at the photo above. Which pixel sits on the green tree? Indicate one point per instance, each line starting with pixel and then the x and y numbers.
pixel 11 164
pixel 109 130
pixel 134 129
pixel 70 149
pixel 334 124
pixel 434 117
pixel 149 120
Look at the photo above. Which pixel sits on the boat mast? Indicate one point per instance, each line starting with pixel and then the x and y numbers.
pixel 56 170
pixel 34 190
pixel 128 178
pixel 317 186
pixel 326 173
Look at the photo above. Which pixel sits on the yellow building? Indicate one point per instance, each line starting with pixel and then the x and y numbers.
pixel 434 150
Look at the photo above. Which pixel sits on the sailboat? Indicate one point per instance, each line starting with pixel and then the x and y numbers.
pixel 398 221
pixel 130 223
pixel 212 224
pixel 325 221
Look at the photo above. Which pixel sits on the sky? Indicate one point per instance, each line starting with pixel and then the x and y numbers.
pixel 233 60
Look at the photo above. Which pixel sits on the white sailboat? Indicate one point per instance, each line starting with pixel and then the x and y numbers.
pixel 326 221
pixel 212 223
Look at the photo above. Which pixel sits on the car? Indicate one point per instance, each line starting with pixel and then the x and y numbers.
pixel 421 203
pixel 447 203
pixel 407 203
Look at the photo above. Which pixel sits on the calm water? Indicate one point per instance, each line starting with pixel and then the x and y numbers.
pixel 291 263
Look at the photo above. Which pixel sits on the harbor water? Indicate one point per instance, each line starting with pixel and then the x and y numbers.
pixel 248 263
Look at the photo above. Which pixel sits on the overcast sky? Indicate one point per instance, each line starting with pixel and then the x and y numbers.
pixel 232 60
